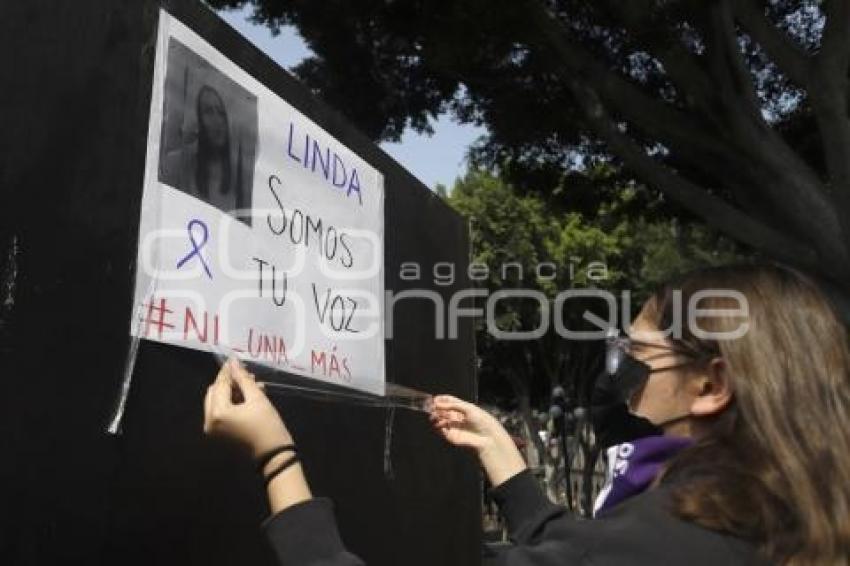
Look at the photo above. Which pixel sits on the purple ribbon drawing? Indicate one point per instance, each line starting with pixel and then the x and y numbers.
pixel 197 246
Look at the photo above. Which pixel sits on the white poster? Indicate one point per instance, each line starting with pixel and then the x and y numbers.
pixel 260 234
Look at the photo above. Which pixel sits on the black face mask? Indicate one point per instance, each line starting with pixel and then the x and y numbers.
pixel 612 421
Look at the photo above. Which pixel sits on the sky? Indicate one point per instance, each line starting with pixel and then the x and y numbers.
pixel 438 158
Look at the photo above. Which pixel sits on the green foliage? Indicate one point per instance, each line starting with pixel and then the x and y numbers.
pixel 509 228
pixel 657 247
pixel 527 244
pixel 669 248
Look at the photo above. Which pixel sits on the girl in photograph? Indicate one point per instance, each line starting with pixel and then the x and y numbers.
pixel 203 168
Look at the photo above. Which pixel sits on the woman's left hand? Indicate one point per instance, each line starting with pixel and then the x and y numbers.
pixel 252 420
pixel 465 424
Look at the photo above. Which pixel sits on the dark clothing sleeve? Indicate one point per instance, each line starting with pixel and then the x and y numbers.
pixel 641 530
pixel 306 535
pixel 538 528
pixel 526 509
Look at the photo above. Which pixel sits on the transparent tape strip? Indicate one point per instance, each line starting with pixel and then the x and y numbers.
pixel 114 426
pixel 395 396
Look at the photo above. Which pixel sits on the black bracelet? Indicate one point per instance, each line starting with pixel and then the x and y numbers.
pixel 294 460
pixel 263 460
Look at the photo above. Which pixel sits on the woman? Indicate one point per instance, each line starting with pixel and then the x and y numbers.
pixel 763 420
pixel 203 168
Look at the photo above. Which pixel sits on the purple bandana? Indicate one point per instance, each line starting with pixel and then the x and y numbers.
pixel 633 465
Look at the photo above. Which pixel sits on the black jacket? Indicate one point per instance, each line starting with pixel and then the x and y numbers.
pixel 637 531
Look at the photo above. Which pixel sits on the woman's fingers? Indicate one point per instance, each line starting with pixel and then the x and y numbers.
pixel 245 382
pixel 457 422
pixel 457 431
pixel 450 415
pixel 447 401
pixel 220 400
pixel 224 371
pixel 207 401
pixel 438 419
pixel 450 403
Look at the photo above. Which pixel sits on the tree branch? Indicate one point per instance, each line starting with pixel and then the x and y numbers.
pixel 717 213
pixel 825 79
pixel 788 56
pixel 828 92
pixel 694 85
pixel 712 154
pixel 759 143
pixel 802 190
pixel 786 179
pixel 835 43
pixel 727 64
pixel 700 89
pixel 665 123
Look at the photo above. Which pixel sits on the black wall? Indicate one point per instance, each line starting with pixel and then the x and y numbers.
pixel 76 84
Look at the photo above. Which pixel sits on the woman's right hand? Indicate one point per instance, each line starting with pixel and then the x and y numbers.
pixel 467 425
pixel 253 421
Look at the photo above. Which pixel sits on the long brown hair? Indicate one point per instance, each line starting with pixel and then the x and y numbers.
pixel 774 467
